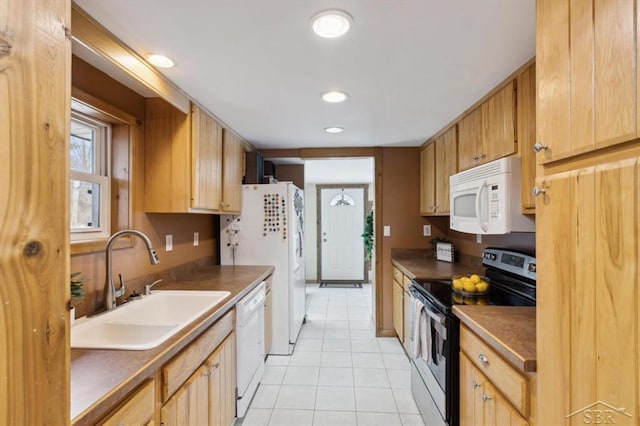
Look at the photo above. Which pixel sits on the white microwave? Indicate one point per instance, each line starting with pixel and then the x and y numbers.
pixel 486 199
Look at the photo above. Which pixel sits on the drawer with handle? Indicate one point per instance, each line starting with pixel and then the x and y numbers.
pixel 504 377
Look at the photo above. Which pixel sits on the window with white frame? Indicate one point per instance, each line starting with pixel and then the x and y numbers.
pixel 89 153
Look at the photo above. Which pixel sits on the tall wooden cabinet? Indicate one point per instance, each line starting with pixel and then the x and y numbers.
pixel 35 67
pixel 588 211
pixel 586 304
pixel 438 161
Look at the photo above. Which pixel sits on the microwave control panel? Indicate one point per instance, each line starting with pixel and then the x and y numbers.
pixel 494 201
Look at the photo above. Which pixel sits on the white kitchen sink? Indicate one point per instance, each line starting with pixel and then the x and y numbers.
pixel 144 324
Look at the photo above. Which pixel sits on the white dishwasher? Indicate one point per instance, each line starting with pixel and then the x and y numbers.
pixel 249 345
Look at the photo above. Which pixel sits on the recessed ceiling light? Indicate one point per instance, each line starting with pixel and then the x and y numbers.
pixel 160 61
pixel 333 129
pixel 334 96
pixel 331 23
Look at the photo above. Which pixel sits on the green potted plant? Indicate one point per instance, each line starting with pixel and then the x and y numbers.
pixel 367 235
pixel 77 291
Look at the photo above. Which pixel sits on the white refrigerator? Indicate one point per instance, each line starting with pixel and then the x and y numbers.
pixel 270 231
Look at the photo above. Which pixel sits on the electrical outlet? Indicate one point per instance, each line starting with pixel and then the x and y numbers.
pixel 196 239
pixel 168 240
pixel 426 230
pixel 386 231
pixel 479 238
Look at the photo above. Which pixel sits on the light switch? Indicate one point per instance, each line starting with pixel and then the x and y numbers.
pixel 196 239
pixel 386 231
pixel 426 230
pixel 168 246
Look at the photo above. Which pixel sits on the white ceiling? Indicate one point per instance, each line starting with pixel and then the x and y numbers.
pixel 409 66
pixel 338 170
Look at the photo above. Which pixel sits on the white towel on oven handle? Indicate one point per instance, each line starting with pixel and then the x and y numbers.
pixel 421 332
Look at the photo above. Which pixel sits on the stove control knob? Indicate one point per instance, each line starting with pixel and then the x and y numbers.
pixel 531 267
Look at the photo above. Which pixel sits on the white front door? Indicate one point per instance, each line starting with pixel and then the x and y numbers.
pixel 341 226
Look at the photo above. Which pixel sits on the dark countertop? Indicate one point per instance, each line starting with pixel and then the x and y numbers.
pixel 420 264
pixel 509 330
pixel 102 378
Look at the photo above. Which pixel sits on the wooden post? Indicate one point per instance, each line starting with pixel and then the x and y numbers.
pixel 35 61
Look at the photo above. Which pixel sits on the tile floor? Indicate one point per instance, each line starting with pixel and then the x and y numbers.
pixel 339 374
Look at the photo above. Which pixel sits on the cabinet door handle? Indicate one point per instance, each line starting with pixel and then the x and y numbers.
pixel 476 384
pixel 483 155
pixel 216 365
pixel 537 147
pixel 537 191
pixel 475 158
pixel 485 397
pixel 483 359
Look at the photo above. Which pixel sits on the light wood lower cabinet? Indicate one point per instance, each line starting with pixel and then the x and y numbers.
pixel 190 404
pixel 481 404
pixel 208 396
pixel 492 392
pixel 138 409
pixel 407 319
pixel 398 307
pixel 398 303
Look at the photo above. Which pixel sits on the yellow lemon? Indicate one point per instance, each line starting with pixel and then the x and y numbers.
pixel 481 301
pixel 482 286
pixel 469 301
pixel 457 298
pixel 475 278
pixel 457 284
pixel 469 287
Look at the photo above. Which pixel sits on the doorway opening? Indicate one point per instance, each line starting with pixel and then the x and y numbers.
pixel 342 211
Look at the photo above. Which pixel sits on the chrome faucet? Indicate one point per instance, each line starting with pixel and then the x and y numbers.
pixel 110 291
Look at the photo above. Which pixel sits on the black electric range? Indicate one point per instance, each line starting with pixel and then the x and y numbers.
pixel 434 381
pixel 512 282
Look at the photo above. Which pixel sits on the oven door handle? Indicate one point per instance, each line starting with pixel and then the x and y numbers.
pixel 438 318
pixel 479 218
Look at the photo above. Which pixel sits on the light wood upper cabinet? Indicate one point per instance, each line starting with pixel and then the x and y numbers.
pixel 233 159
pixel 526 126
pixel 587 83
pixel 438 161
pixel 183 154
pixel 206 157
pixel 498 125
pixel 470 139
pixel 488 132
pixel 446 164
pixel 428 180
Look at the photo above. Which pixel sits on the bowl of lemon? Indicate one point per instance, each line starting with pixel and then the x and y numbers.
pixel 470 285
